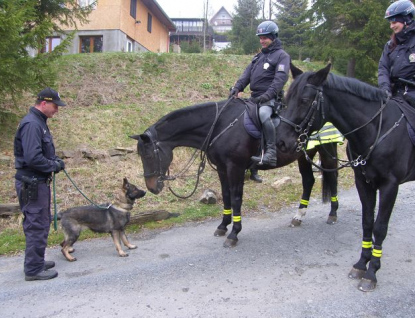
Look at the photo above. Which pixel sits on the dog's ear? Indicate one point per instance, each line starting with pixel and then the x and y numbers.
pixel 125 183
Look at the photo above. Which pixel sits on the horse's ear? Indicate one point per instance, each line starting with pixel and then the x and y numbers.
pixel 319 77
pixel 142 137
pixel 295 71
pixel 136 137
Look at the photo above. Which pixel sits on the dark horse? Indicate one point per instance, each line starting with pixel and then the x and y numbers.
pixel 379 149
pixel 218 130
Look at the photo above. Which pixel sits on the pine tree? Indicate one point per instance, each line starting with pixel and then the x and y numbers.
pixel 351 34
pixel 293 25
pixel 244 26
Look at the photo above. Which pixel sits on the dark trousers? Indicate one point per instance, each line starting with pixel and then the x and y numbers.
pixel 36 225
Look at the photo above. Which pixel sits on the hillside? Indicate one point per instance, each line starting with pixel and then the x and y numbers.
pixel 112 96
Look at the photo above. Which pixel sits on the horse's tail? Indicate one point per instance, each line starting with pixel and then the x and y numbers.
pixel 327 181
pixel 329 178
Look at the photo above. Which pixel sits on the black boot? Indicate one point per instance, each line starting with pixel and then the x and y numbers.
pixel 270 156
pixel 254 176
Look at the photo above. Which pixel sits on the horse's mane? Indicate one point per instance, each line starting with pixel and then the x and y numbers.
pixel 340 83
pixel 178 113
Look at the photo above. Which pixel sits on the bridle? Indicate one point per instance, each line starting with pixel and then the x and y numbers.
pixel 303 129
pixel 152 136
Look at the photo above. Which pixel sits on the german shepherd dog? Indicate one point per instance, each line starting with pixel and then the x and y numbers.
pixel 102 220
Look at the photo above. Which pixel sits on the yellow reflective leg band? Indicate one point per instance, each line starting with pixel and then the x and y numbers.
pixel 367 244
pixel 304 202
pixel 377 253
pixel 334 199
pixel 227 212
pixel 237 218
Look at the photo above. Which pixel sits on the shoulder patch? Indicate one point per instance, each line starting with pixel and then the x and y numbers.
pixel 281 68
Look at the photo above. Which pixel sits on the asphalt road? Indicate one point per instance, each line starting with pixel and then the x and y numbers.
pixel 275 271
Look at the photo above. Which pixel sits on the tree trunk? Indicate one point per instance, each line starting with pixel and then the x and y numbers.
pixel 351 68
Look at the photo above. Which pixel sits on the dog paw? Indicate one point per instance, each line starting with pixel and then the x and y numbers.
pixel 123 254
pixel 132 247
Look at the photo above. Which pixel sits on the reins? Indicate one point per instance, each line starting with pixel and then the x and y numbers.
pixel 203 152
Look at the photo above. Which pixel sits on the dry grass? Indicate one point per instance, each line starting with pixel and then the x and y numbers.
pixel 112 96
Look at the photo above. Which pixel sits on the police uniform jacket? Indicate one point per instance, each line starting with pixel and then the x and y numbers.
pixel 34 150
pixel 268 71
pixel 398 62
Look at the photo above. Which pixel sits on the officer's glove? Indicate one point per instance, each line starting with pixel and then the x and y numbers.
pixel 60 165
pixel 260 99
pixel 388 95
pixel 233 92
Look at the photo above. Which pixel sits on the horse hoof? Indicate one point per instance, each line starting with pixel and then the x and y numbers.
pixel 230 243
pixel 332 220
pixel 366 285
pixel 220 232
pixel 356 273
pixel 295 223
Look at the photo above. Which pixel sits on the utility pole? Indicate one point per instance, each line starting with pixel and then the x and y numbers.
pixel 205 26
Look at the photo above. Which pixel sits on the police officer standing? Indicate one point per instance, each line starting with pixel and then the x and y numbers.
pixel 398 57
pixel 266 74
pixel 35 162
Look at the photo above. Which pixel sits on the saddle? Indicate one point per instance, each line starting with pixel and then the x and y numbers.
pixel 252 123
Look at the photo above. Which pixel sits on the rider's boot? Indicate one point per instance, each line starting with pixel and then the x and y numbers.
pixel 270 156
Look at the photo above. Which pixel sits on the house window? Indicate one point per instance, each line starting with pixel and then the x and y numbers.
pixel 85 3
pixel 91 44
pixel 129 47
pixel 133 8
pixel 149 22
pixel 51 43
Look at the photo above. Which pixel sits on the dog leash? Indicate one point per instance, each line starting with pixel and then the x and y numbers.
pixel 55 215
pixel 100 206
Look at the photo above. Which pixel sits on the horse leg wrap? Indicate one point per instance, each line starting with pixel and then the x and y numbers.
pixel 227 218
pixel 365 255
pixel 334 205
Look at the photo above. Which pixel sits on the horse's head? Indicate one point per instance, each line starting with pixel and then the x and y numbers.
pixel 155 158
pixel 304 113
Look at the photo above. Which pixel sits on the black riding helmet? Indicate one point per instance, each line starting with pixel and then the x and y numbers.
pixel 268 28
pixel 403 8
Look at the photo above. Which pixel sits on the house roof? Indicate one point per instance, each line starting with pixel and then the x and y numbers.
pixel 160 14
pixel 219 11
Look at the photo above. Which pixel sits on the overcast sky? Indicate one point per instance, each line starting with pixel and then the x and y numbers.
pixel 194 8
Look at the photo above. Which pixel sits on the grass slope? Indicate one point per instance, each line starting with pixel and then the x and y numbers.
pixel 113 95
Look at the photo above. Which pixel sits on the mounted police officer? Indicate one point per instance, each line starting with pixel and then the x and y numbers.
pixel 398 57
pixel 35 161
pixel 266 74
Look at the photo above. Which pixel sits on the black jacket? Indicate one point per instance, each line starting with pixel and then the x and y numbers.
pixel 267 73
pixel 34 150
pixel 398 62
